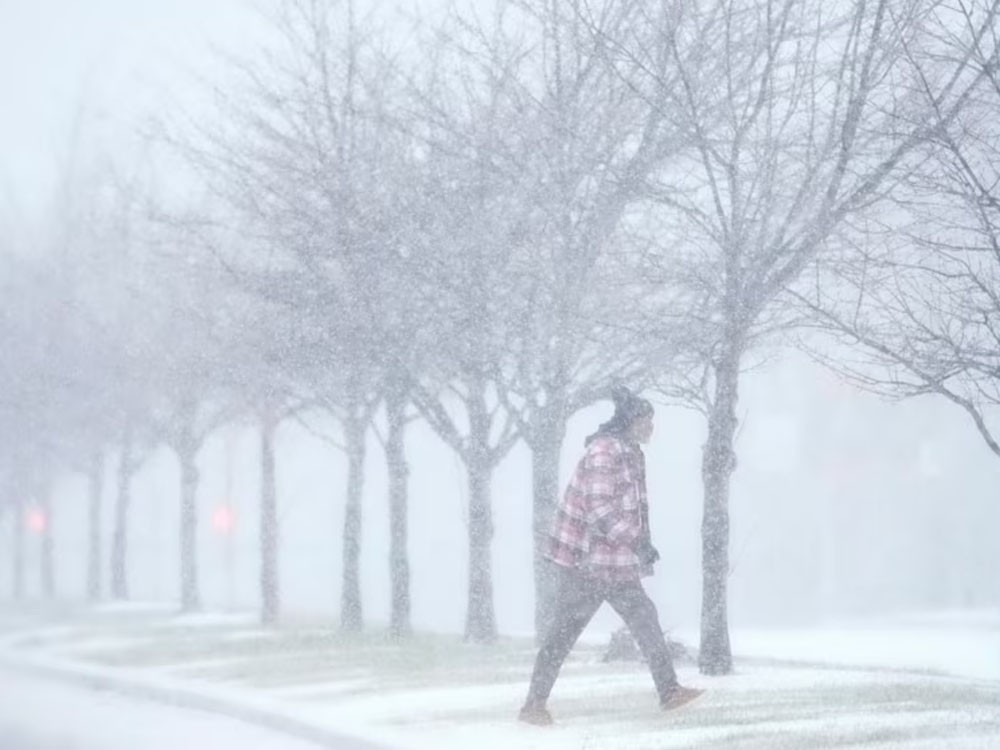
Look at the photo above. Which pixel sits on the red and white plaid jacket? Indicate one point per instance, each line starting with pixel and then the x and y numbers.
pixel 603 513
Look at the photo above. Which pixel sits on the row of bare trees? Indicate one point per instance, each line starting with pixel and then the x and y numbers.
pixel 484 221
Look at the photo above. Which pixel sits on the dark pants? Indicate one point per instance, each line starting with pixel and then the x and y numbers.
pixel 579 599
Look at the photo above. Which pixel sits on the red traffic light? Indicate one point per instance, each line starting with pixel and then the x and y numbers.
pixel 223 519
pixel 37 520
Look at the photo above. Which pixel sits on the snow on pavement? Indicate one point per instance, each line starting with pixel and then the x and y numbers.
pixel 765 708
pixel 874 685
pixel 41 714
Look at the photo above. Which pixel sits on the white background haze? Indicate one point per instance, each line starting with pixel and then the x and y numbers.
pixel 843 504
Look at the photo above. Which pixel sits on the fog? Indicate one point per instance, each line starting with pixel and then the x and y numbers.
pixel 307 308
pixel 844 504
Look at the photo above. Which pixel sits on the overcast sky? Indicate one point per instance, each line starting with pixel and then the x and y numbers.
pixel 104 63
pixel 109 63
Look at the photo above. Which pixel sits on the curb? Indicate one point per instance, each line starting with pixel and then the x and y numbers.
pixel 187 698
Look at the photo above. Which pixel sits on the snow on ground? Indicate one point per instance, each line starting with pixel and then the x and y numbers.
pixel 121 607
pixel 966 644
pixel 38 714
pixel 212 619
pixel 765 707
pixel 903 684
pixel 968 653
pixel 979 618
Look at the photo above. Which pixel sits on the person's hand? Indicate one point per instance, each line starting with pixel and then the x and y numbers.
pixel 646 552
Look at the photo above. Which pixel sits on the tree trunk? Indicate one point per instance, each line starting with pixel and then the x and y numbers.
pixel 718 463
pixel 399 560
pixel 350 597
pixel 546 447
pixel 270 592
pixel 190 597
pixel 119 537
pixel 46 562
pixel 186 447
pixel 18 521
pixel 94 526
pixel 480 621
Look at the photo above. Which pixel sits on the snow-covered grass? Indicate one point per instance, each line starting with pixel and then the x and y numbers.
pixel 128 607
pixel 971 652
pixel 39 713
pixel 917 682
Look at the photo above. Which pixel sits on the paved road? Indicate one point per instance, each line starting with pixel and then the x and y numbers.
pixel 43 714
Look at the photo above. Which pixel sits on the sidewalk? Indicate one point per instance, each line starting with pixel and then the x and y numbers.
pixel 435 692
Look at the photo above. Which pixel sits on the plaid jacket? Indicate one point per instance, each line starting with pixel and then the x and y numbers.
pixel 603 513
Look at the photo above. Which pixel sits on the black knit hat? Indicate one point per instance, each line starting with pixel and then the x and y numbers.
pixel 628 409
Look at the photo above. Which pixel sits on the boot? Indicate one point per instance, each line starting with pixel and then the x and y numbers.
pixel 535 713
pixel 679 696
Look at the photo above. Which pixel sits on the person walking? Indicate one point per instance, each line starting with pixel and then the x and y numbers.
pixel 600 542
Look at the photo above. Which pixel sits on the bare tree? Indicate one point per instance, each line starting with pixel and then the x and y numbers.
pixel 270 392
pixel 95 501
pixel 806 114
pixel 52 397
pixel 131 456
pixel 396 403
pixel 17 548
pixel 86 284
pixel 399 559
pixel 473 222
pixel 190 321
pixel 108 286
pixel 312 188
pixel 119 534
pixel 590 135
pixel 46 542
pixel 270 585
pixel 13 417
pixel 918 292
